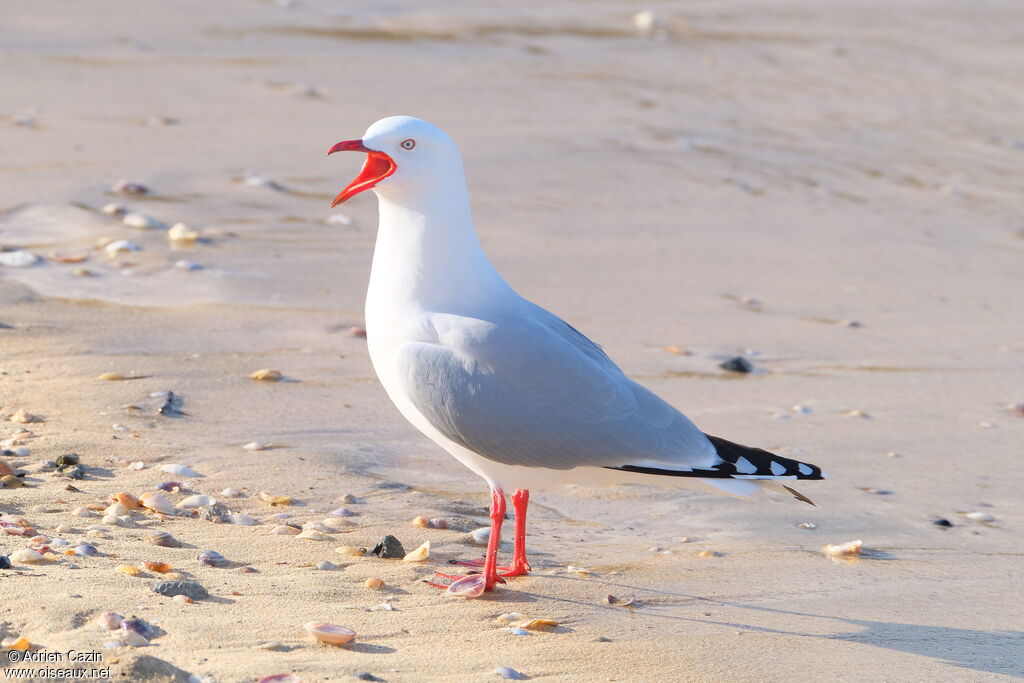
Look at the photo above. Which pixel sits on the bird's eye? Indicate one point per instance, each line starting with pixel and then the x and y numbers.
pixel 408 143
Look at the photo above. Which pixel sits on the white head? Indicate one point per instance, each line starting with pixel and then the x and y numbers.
pixel 406 158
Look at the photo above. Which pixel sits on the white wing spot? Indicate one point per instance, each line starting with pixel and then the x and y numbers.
pixel 744 466
pixel 778 468
pixel 805 469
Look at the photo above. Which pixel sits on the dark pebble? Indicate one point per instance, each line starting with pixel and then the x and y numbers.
pixel 192 589
pixel 390 548
pixel 737 364
pixel 76 472
pixel 67 460
pixel 943 522
pixel 5 562
pixel 367 676
pixel 216 513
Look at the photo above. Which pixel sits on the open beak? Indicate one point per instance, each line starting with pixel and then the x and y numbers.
pixel 376 168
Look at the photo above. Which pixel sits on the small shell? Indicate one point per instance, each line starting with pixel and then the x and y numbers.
pixel 266 375
pixel 330 633
pixel 418 555
pixel 420 522
pixel 468 586
pixel 242 519
pixel 705 554
pixel 184 599
pixel 127 569
pixel 11 482
pixel 156 502
pixel 111 376
pixel 516 620
pixel 850 549
pixel 86 550
pixel 285 530
pixel 336 523
pixel 130 188
pixel 197 501
pixel 231 493
pixel 373 583
pixel 179 470
pixel 480 536
pixel 168 486
pixel 20 644
pixel 163 539
pixel 112 209
pixel 979 517
pixel 116 509
pixel 108 621
pixel 211 558
pixel 255 446
pixel 26 556
pixel 83 512
pixel 131 638
pixel 180 232
pixel 326 565
pixel 25 417
pixel 142 221
pixel 343 512
pixel 118 246
pixel 5 469
pixel 437 523
pixel 275 499
pixel 158 567
pixel 313 535
pixel 18 259
pixel 126 499
pixel 112 520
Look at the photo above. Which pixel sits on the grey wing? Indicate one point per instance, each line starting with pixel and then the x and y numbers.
pixel 522 394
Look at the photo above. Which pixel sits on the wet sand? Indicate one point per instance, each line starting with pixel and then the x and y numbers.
pixel 767 174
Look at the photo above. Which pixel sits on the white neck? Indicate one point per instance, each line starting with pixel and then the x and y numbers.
pixel 427 252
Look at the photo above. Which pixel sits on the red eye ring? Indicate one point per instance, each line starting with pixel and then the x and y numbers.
pixel 408 143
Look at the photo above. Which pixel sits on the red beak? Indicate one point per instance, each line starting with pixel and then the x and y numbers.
pixel 376 168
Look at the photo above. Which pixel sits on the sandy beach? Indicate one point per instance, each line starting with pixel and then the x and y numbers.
pixel 830 190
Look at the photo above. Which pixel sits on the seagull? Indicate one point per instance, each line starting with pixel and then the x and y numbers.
pixel 512 391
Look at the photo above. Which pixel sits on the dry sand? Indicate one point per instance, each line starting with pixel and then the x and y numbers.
pixel 833 161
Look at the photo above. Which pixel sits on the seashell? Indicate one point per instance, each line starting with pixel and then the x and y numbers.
pixel 158 567
pixel 25 417
pixel 112 520
pixel 242 519
pixel 806 525
pixel 184 599
pixel 480 536
pixel 156 502
pixel 979 517
pixel 187 265
pixel 75 472
pixel 118 246
pixel 509 673
pixel 113 209
pixel 127 569
pixel 285 530
pixel 420 522
pixel 108 621
pixel 129 188
pixel 197 501
pixel 278 678
pixel 142 221
pixel 266 375
pixel 169 486
pixel 86 550
pixel 343 512
pixel 705 554
pixel 315 525
pixel 339 219
pixel 179 470
pixel 281 515
pixel 516 620
pixel 329 633
pixel 336 523
pixel 163 539
pixel 350 550
pixel 373 583
pixel 95 533
pixel 83 512
pixel 126 499
pixel 843 550
pixel 174 576
pixel 577 570
pixel 18 258
pixel 111 376
pixel 11 482
pixel 274 646
pixel 5 469
pixel 468 586
pixel 231 493
pixel 67 258
pixel 325 565
pixel 437 523
pixel 800 409
pixel 27 556
pixel 312 535
pixel 58 543
pixel 275 499
pixel 20 644
pixel 349 498
pixel 255 446
pixel 116 509
pixel 131 638
pixel 137 465
pixel 245 570
pixel 418 555
pixel 140 626
pixel 181 233
pixel 211 558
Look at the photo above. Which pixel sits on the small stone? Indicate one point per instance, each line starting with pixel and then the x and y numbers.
pixel 942 522
pixel 5 562
pixel 255 446
pixel 509 673
pixel 325 565
pixel 127 187
pixel 979 517
pixel 390 548
pixel 373 583
pixel 67 460
pixel 241 519
pixel 118 246
pixel 349 499
pixel 185 264
pixel 142 221
pixel 217 513
pixel 182 234
pixel 10 481
pixel 705 554
pixel 75 472
pixel 266 375
pixel 480 536
pixel 113 209
pixel 191 589
pixel 737 364
pixel 367 676
pixel 806 525
pixel 25 417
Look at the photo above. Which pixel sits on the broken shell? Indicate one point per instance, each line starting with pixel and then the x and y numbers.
pixel 516 620
pixel 350 550
pixel 326 565
pixel 118 246
pixel 197 501
pixel 156 502
pixel 108 621
pixel 163 539
pixel 373 583
pixel 275 499
pixel 113 520
pixel 127 569
pixel 329 633
pixel 266 375
pixel 64 528
pixel 179 470
pixel 180 232
pixel 211 558
pixel 142 221
pixel 285 530
pixel 418 555
pixel 312 535
pixel 158 567
pixel 27 556
pixel 6 469
pixel 850 549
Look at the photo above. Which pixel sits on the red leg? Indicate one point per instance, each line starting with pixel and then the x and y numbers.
pixel 520 500
pixel 474 585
